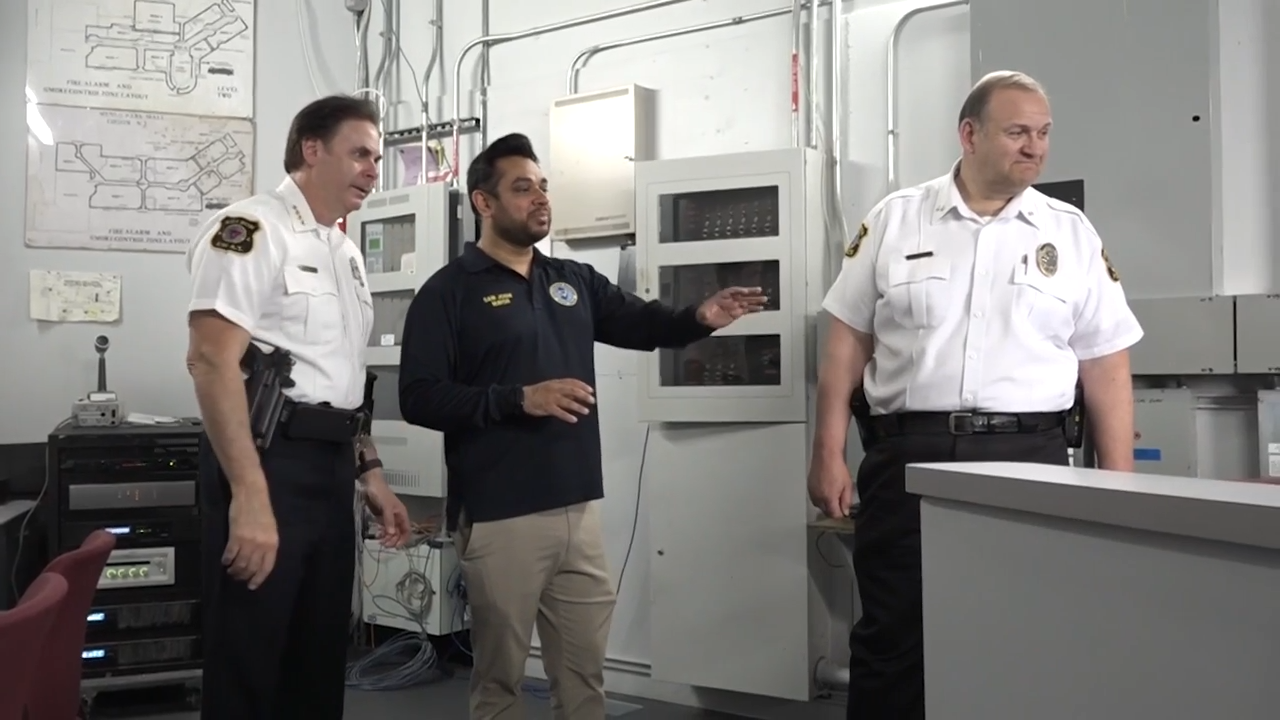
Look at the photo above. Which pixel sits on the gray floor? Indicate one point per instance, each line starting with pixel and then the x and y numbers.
pixel 448 701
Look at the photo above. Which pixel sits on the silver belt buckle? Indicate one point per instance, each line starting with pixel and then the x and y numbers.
pixel 960 423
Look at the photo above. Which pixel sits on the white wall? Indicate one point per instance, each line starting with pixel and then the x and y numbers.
pixel 47 366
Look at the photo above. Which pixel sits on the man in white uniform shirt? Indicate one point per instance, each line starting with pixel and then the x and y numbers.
pixel 966 310
pixel 278 537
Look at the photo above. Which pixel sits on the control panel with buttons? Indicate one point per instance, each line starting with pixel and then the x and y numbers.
pixel 138 567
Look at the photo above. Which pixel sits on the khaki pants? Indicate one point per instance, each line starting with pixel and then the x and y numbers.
pixel 549 568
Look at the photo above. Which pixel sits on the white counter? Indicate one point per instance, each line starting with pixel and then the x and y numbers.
pixel 1055 593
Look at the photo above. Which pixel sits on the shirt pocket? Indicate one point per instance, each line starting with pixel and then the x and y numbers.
pixel 917 291
pixel 1044 303
pixel 312 312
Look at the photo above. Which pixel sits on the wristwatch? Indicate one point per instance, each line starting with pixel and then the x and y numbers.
pixel 365 465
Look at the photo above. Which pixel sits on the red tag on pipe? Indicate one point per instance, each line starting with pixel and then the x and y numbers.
pixel 795 82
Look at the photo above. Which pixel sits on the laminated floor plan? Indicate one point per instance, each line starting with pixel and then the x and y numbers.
pixel 115 180
pixel 189 56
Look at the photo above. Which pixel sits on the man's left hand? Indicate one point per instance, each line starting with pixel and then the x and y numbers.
pixel 730 304
pixel 396 530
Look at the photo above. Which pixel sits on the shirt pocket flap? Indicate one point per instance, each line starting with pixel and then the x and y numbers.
pixel 1055 287
pixel 906 272
pixel 308 281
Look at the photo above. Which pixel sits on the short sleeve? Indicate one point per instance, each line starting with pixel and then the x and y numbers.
pixel 852 298
pixel 1105 324
pixel 233 269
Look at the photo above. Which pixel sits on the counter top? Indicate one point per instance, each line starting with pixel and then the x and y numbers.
pixel 1247 513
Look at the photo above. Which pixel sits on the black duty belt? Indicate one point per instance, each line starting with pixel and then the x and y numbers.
pixel 325 423
pixel 964 423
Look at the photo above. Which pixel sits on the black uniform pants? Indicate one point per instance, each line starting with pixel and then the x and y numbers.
pixel 279 652
pixel 886 666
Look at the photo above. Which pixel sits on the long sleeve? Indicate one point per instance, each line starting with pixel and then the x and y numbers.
pixel 624 320
pixel 430 394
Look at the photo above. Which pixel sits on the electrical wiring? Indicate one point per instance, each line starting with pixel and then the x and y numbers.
pixel 22 528
pixel 408 659
pixel 22 537
pixel 635 519
pixel 405 661
pixel 438 153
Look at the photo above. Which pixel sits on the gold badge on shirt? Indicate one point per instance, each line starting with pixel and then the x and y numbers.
pixel 355 272
pixel 1047 259
pixel 1111 269
pixel 856 245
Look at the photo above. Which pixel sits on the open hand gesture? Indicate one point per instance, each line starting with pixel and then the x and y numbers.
pixel 730 304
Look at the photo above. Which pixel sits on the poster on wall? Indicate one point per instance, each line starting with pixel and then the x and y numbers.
pixel 121 180
pixel 170 56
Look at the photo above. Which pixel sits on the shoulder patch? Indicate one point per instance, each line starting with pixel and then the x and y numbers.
pixel 856 244
pixel 236 234
pixel 1111 269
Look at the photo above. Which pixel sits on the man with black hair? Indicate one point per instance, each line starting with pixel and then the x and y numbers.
pixel 498 354
pixel 278 533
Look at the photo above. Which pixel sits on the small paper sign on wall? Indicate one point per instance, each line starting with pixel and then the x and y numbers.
pixel 57 296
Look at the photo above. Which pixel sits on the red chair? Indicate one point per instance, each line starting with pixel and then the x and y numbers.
pixel 55 691
pixel 23 631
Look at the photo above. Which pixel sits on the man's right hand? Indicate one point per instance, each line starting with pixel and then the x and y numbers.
pixel 831 487
pixel 563 399
pixel 251 549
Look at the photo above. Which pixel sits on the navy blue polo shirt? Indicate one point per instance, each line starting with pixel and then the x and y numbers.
pixel 477 333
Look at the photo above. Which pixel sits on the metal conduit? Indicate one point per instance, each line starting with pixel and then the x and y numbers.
pixel 811 64
pixel 835 107
pixel 891 76
pixel 580 61
pixel 489 40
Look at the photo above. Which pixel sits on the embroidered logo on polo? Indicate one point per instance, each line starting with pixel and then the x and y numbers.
pixel 564 294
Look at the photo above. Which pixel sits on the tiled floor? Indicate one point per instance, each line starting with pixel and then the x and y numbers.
pixel 448 701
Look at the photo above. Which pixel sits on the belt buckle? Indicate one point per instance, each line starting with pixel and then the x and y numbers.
pixel 960 423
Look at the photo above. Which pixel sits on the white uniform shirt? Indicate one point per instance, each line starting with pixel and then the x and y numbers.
pixel 267 266
pixel 987 315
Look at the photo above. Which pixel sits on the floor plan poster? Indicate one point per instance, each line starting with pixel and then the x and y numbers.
pixel 174 56
pixel 116 180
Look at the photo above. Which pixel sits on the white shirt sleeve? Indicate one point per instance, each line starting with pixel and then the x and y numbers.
pixel 233 267
pixel 852 298
pixel 1104 324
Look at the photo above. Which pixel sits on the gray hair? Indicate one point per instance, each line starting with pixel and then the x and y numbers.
pixel 975 106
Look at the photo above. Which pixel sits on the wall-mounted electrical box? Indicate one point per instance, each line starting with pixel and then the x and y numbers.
pixel 406 235
pixel 1185 336
pixel 1164 423
pixel 596 139
pixel 1258 334
pixel 708 223
pixel 1269 433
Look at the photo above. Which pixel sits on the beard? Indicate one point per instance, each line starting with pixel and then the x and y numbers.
pixel 516 233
